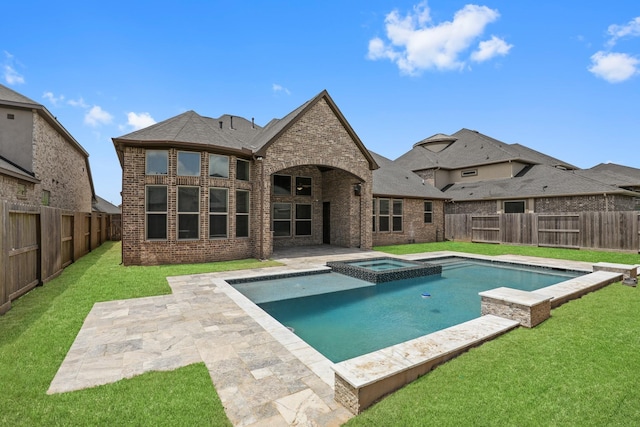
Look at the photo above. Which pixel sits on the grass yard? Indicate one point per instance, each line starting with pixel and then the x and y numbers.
pixel 580 367
pixel 37 332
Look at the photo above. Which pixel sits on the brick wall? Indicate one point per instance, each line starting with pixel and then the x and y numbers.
pixel 414 229
pixel 138 251
pixel 592 203
pixel 61 169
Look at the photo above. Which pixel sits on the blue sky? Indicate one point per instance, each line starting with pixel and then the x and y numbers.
pixel 561 77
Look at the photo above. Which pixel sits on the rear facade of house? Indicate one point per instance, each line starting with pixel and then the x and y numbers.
pixel 199 189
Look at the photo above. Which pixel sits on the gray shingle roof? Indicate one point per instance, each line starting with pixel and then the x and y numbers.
pixel 471 148
pixel 539 181
pixel 11 96
pixel 391 180
pixel 192 128
pixel 614 174
pixel 104 206
pixel 7 168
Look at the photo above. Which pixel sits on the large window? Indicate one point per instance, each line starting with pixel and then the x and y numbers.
pixel 218 166
pixel 515 206
pixel 303 220
pixel 282 219
pixel 188 163
pixel 282 185
pixel 156 162
pixel 383 214
pixel 242 170
pixel 188 212
pixel 303 186
pixel 397 215
pixel 156 212
pixel 428 212
pixel 218 212
pixel 242 213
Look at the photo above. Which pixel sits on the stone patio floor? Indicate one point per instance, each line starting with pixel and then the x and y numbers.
pixel 264 374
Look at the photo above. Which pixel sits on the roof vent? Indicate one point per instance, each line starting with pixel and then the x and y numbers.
pixel 220 122
pixel 231 122
pixel 253 123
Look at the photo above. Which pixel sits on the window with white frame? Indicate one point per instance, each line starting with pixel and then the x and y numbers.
pixel 242 170
pixel 428 212
pixel 188 212
pixel 397 215
pixel 242 213
pixel 303 219
pixel 383 215
pixel 156 212
pixel 188 163
pixel 218 166
pixel 281 219
pixel 218 212
pixel 156 162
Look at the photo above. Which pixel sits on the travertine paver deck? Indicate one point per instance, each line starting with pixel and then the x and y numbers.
pixel 264 374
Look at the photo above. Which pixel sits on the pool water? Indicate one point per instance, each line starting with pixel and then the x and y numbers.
pixel 367 317
pixel 381 265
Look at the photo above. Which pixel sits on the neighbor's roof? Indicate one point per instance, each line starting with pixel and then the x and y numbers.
pixel 9 169
pixel 104 206
pixel 614 174
pixel 470 148
pixel 392 180
pixel 538 181
pixel 230 133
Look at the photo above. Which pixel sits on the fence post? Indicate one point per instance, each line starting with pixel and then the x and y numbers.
pixel 5 304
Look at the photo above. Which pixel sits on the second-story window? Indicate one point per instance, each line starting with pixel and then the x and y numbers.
pixel 218 166
pixel 156 162
pixel 242 170
pixel 188 163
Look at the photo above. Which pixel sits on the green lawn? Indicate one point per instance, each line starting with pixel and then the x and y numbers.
pixel 37 332
pixel 578 368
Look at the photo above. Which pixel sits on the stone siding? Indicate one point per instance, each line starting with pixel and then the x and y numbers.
pixel 61 169
pixel 414 230
pixel 14 190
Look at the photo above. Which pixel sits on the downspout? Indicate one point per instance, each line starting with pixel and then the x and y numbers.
pixel 259 159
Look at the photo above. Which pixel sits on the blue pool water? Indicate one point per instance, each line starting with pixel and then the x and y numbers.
pixel 365 317
pixel 381 265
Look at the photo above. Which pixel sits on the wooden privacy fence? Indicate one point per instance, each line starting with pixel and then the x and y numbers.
pixel 37 243
pixel 592 230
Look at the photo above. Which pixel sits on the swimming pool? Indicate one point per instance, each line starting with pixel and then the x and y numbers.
pixel 344 317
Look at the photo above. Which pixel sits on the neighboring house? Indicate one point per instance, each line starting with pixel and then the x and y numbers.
pixel 621 176
pixel 481 175
pixel 198 189
pixel 40 162
pixel 406 209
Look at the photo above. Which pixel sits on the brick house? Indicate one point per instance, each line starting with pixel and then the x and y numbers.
pixel 482 175
pixel 198 189
pixel 40 162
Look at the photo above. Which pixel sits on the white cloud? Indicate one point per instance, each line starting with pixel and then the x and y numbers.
pixel 139 120
pixel 490 49
pixel 78 103
pixel 55 100
pixel 10 74
pixel 415 43
pixel 632 29
pixel 277 88
pixel 614 67
pixel 96 116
